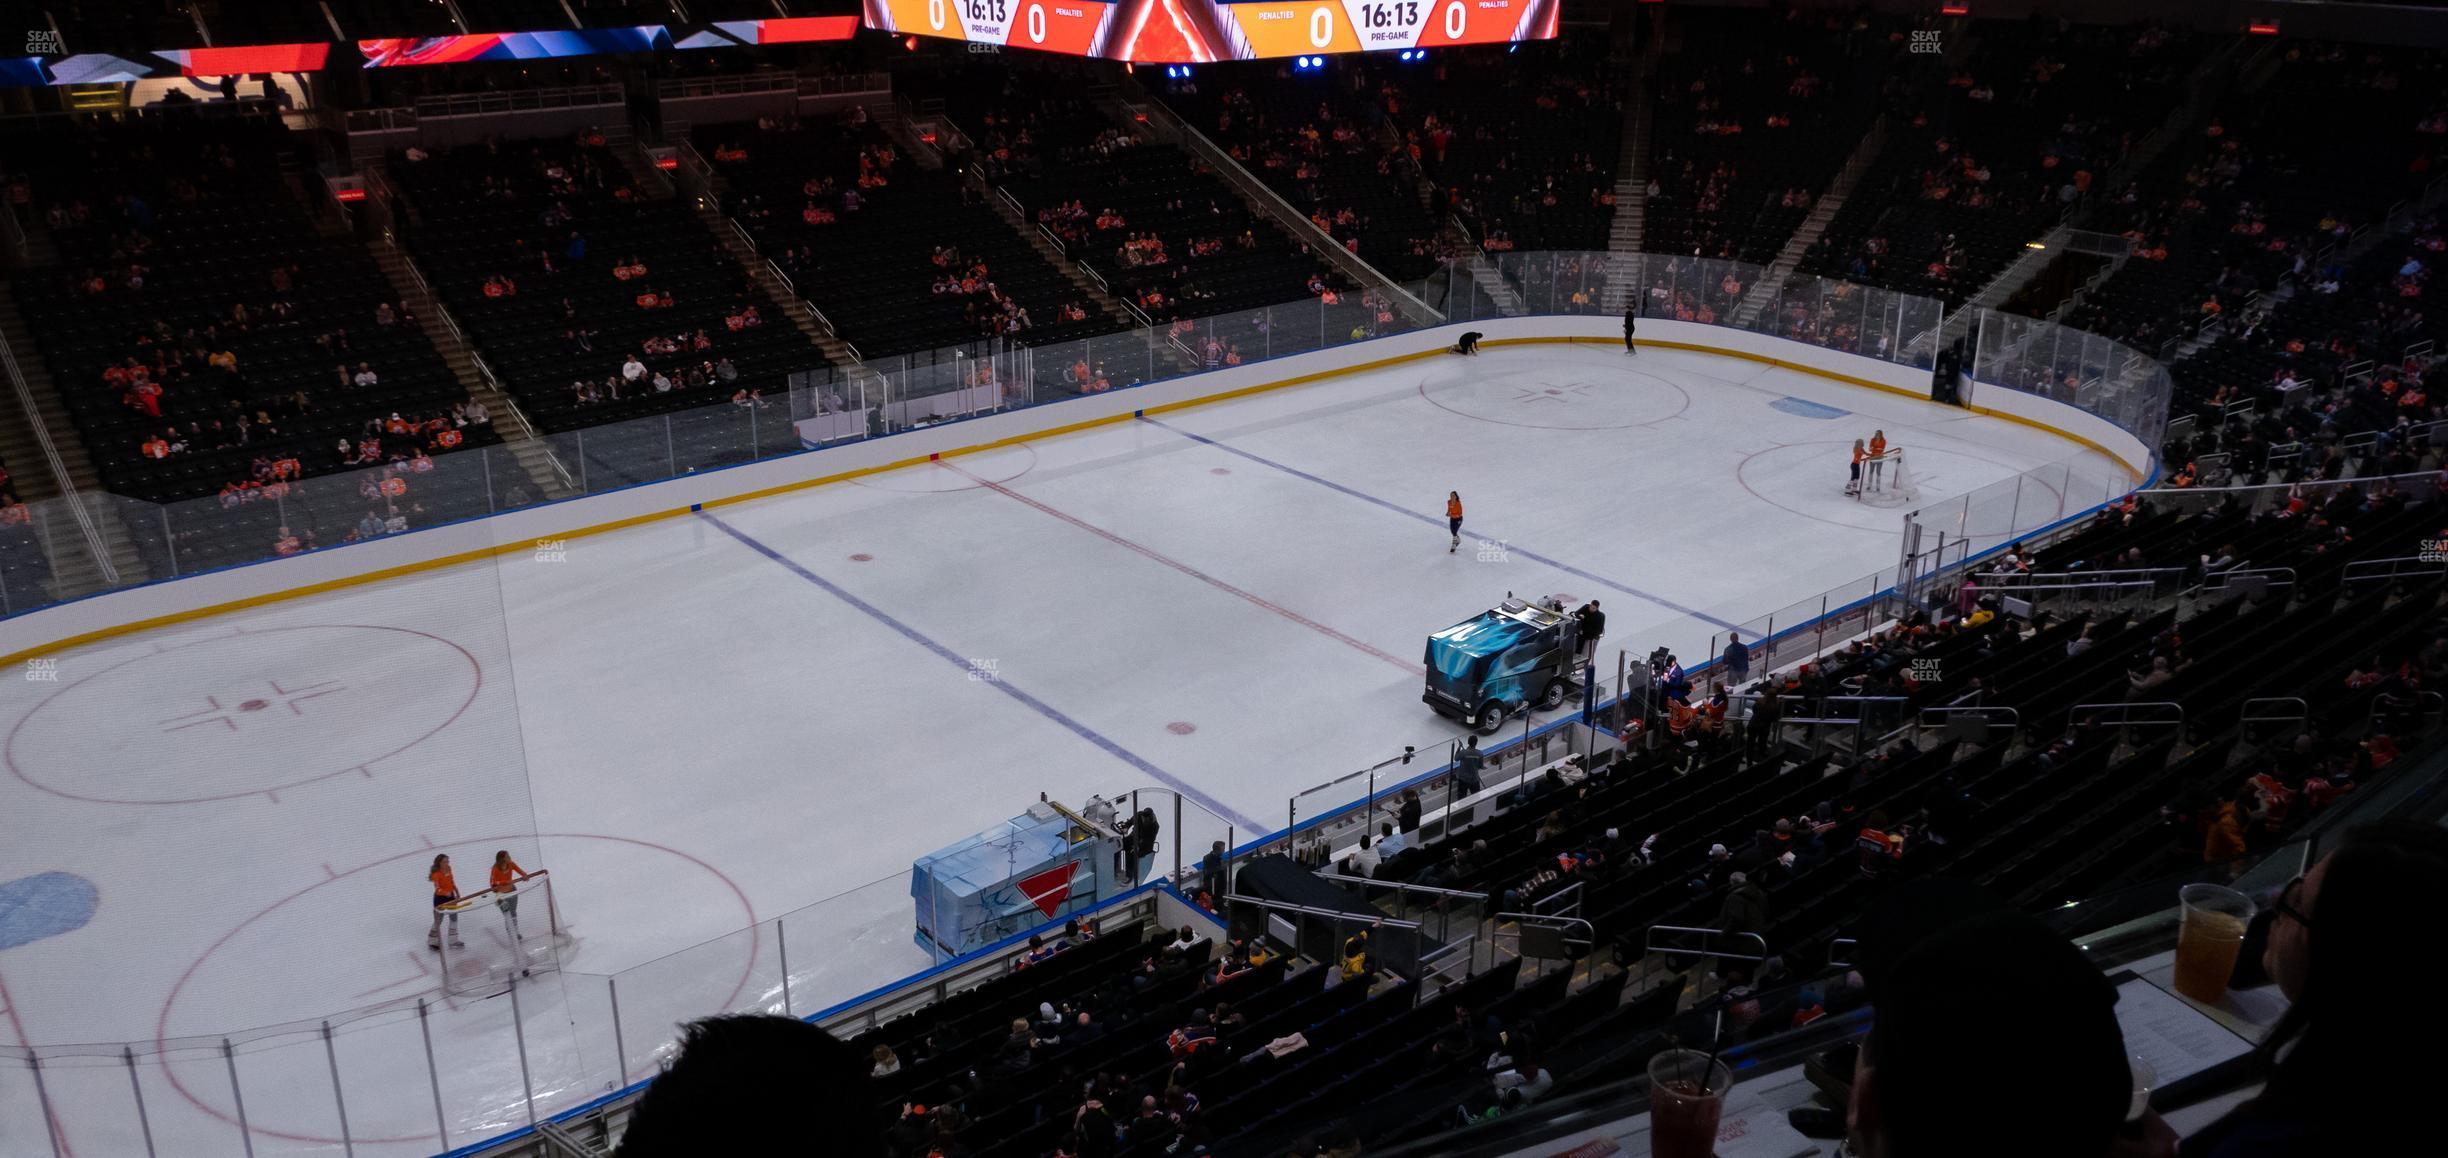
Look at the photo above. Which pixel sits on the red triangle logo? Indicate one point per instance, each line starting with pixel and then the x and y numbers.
pixel 1049 889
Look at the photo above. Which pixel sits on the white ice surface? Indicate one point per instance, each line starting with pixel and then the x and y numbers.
pixel 715 721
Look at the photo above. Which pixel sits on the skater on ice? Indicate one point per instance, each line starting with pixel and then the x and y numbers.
pixel 445 891
pixel 1453 520
pixel 506 875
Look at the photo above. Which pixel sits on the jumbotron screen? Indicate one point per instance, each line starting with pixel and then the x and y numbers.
pixel 1203 31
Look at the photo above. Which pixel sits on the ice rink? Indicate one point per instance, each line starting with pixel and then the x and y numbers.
pixel 705 722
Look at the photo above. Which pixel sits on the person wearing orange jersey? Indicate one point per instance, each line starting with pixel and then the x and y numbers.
pixel 1854 487
pixel 1453 520
pixel 445 890
pixel 506 875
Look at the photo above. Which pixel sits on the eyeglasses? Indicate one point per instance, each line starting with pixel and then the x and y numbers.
pixel 2285 905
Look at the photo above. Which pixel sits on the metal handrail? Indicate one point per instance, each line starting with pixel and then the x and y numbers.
pixel 2362 570
pixel 558 97
pixel 2302 710
pixel 1649 943
pixel 2014 719
pixel 1433 963
pixel 1292 219
pixel 2431 702
pixel 703 86
pixel 1544 921
pixel 832 85
pixel 59 467
pixel 2010 579
pixel 1572 891
pixel 2127 721
pixel 2221 580
pixel 1399 886
pixel 2125 585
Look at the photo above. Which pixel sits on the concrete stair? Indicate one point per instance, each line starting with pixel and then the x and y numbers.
pixel 1814 225
pixel 652 183
pixel 1628 231
pixel 518 436
pixel 1086 282
pixel 1139 109
pixel 1625 233
pixel 1508 300
pixel 2213 76
pixel 707 199
pixel 74 570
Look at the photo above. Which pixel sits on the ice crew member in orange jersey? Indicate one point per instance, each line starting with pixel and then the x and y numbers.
pixel 1854 487
pixel 445 890
pixel 1453 520
pixel 506 875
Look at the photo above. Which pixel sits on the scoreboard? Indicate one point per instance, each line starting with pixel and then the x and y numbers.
pixel 1200 31
pixel 1072 27
pixel 1294 27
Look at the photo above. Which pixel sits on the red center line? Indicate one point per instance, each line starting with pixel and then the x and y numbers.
pixel 1252 598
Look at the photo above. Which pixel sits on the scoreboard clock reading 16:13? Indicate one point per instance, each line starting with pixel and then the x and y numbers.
pixel 1202 31
pixel 1296 27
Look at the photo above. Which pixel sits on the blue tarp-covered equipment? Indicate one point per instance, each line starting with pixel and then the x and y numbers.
pixel 1025 872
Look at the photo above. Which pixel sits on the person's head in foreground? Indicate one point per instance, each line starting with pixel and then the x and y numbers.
pixel 2356 1055
pixel 1990 1035
pixel 756 1084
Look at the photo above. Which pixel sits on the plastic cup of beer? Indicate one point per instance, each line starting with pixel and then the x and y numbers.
pixel 2208 938
pixel 1687 1092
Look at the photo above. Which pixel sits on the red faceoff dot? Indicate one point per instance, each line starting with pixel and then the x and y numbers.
pixel 862 558
pixel 1181 727
pixel 1219 470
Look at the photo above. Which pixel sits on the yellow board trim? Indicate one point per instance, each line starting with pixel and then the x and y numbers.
pixel 168 619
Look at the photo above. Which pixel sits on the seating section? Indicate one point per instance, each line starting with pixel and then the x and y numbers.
pixel 2074 808
pixel 1752 116
pixel 1168 237
pixel 899 258
pixel 2237 272
pixel 581 291
pixel 1991 160
pixel 1184 1026
pixel 1524 143
pixel 205 338
pixel 1322 141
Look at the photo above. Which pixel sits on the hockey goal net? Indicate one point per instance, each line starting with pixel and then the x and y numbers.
pixel 1886 481
pixel 490 939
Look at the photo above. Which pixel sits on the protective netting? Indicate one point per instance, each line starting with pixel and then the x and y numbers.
pixel 1887 482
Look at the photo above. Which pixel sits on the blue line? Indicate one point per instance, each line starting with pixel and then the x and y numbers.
pixel 1039 706
pixel 1408 513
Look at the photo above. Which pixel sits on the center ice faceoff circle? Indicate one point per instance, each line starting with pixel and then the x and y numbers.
pixel 237 714
pixel 1554 394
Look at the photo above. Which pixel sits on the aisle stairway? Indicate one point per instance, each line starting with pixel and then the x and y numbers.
pixel 518 436
pixel 1823 211
pixel 74 572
